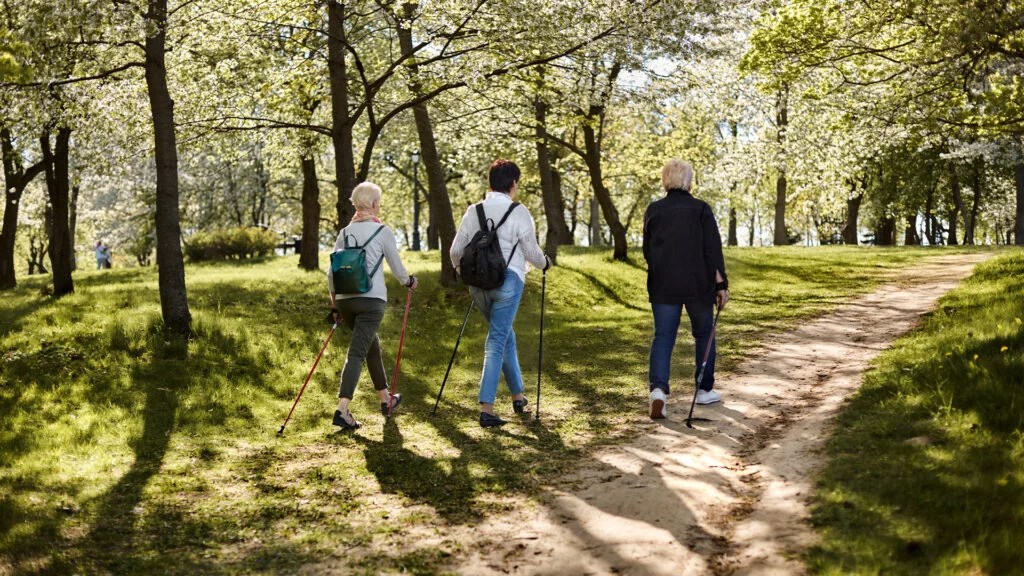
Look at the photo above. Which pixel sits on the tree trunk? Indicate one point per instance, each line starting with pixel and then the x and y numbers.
pixel 309 257
pixel 885 233
pixel 556 228
pixel 341 124
pixel 781 122
pixel 733 240
pixel 601 193
pixel 971 223
pixel 849 232
pixel 567 237
pixel 929 228
pixel 171 279
pixel 58 186
pixel 1018 180
pixel 910 236
pixel 958 203
pixel 16 179
pixel 595 224
pixel 753 231
pixel 73 225
pixel 437 187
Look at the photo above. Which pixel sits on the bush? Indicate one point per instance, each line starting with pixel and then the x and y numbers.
pixel 230 243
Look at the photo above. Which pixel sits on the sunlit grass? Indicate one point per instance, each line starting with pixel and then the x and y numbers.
pixel 127 452
pixel 927 466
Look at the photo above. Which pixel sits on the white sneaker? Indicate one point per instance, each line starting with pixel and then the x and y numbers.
pixel 708 397
pixel 658 401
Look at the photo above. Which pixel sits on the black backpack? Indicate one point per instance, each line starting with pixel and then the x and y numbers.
pixel 482 264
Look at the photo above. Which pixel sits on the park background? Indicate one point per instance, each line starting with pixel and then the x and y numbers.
pixel 139 403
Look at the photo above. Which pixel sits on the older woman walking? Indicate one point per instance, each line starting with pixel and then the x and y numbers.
pixel 685 269
pixel 363 312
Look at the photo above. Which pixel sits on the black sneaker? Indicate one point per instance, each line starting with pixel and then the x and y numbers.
pixel 349 423
pixel 491 421
pixel 396 399
pixel 520 405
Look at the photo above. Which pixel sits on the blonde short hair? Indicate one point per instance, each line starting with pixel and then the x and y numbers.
pixel 677 174
pixel 364 194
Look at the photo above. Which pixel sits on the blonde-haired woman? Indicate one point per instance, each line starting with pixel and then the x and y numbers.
pixel 685 268
pixel 362 313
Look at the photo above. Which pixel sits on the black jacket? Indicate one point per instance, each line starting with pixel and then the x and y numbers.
pixel 683 249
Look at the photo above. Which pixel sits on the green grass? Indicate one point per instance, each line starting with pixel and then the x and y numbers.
pixel 926 471
pixel 123 452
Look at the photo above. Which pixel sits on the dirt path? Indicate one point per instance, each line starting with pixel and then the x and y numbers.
pixel 729 497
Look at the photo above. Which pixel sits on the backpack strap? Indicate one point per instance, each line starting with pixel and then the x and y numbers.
pixel 503 218
pixel 379 260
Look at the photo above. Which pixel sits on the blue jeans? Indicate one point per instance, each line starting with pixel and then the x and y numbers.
pixel 666 325
pixel 499 306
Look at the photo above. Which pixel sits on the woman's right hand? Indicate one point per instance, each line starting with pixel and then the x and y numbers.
pixel 413 282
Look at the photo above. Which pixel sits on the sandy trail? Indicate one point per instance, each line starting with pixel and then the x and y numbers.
pixel 729 497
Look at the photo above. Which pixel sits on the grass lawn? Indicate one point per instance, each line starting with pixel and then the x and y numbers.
pixel 123 452
pixel 926 470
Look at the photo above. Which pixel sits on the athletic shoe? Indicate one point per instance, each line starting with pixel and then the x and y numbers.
pixel 658 401
pixel 347 422
pixel 520 405
pixel 396 399
pixel 708 397
pixel 491 421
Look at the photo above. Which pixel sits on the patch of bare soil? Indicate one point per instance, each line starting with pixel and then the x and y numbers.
pixel 730 496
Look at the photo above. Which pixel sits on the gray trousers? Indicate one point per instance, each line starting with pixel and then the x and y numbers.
pixel 363 317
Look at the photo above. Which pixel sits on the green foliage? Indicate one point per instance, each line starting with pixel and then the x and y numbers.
pixel 231 243
pixel 926 471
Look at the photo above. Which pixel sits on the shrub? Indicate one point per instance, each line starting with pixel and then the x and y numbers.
pixel 230 243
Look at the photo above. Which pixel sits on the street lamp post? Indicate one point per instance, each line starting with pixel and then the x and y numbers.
pixel 415 156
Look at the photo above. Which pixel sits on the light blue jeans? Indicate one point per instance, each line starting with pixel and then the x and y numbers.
pixel 499 306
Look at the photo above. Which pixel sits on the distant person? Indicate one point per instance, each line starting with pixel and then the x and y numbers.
pixel 362 313
pixel 103 256
pixel 685 269
pixel 518 241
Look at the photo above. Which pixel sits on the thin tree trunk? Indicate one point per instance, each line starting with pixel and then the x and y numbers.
pixel 733 240
pixel 910 236
pixel 852 215
pixel 57 161
pixel 781 122
pixel 437 187
pixel 556 228
pixel 171 279
pixel 601 192
pixel 595 224
pixel 1018 180
pixel 341 124
pixel 753 222
pixel 567 237
pixel 309 257
pixel 958 203
pixel 971 223
pixel 16 179
pixel 73 224
pixel 929 228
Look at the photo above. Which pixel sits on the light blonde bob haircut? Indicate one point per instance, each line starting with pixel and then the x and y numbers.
pixel 677 174
pixel 364 195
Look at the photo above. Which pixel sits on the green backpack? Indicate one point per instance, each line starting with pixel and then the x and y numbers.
pixel 348 267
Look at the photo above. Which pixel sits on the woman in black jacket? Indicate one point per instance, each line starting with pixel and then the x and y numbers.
pixel 685 269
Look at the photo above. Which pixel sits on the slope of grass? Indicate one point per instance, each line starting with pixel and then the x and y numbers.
pixel 927 467
pixel 124 452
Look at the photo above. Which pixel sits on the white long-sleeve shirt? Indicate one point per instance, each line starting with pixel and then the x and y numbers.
pixel 384 244
pixel 518 228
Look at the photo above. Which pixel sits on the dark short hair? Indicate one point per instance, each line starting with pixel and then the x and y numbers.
pixel 503 174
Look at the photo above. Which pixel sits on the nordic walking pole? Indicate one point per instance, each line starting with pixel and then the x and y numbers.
pixel 310 375
pixel 398 357
pixel 540 346
pixel 446 372
pixel 700 377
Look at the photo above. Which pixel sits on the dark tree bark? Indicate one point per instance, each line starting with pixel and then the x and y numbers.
pixel 853 202
pixel 73 224
pixel 58 185
pixel 437 187
pixel 885 232
pixel 733 240
pixel 556 227
pixel 910 235
pixel 592 141
pixel 171 280
pixel 929 227
pixel 341 123
pixel 16 179
pixel 567 237
pixel 781 122
pixel 309 258
pixel 958 203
